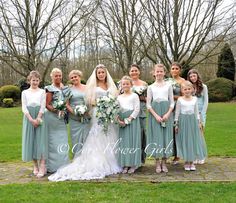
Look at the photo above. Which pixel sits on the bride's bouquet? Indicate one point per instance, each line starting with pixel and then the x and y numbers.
pixel 107 111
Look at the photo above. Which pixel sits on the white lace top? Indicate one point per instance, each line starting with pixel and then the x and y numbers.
pixel 186 107
pixel 33 98
pixel 160 93
pixel 130 102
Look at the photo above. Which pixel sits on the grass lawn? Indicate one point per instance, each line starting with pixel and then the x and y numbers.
pixel 220 131
pixel 119 192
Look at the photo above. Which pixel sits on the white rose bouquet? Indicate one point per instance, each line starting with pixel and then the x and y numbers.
pixel 80 111
pixel 60 106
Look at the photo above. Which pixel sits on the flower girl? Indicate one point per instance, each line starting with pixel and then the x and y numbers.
pixel 130 131
pixel 33 135
pixel 189 140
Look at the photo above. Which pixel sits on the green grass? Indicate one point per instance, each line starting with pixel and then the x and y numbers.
pixel 119 192
pixel 220 131
pixel 10 134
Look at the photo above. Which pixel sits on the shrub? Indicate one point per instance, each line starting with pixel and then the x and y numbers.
pixel 8 102
pixel 220 89
pixel 10 91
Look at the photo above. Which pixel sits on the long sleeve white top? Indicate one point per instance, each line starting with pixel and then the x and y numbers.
pixel 160 93
pixel 186 107
pixel 33 98
pixel 205 98
pixel 129 102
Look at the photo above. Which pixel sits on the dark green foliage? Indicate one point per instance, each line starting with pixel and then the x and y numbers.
pixel 220 90
pixel 10 91
pixel 226 63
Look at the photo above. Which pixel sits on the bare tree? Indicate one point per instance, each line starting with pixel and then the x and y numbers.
pixel 38 31
pixel 176 30
pixel 120 21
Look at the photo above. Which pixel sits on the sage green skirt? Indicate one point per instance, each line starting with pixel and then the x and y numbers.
pixel 34 140
pixel 159 139
pixel 129 151
pixel 58 147
pixel 79 132
pixel 189 140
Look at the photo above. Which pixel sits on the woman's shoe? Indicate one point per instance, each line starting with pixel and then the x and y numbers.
pixel 131 170
pixel 158 168
pixel 192 167
pixel 125 170
pixel 164 168
pixel 175 161
pixel 42 172
pixel 36 170
pixel 196 161
pixel 201 161
pixel 186 167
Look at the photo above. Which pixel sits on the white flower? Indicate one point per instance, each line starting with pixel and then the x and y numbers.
pixel 40 121
pixel 127 121
pixel 60 103
pixel 80 109
pixel 107 110
pixel 139 89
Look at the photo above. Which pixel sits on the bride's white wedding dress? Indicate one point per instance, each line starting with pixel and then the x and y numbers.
pixel 97 158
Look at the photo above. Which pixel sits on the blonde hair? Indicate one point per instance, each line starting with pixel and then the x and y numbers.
pixel 55 70
pixel 76 72
pixel 33 73
pixel 126 77
pixel 159 65
pixel 91 85
pixel 186 83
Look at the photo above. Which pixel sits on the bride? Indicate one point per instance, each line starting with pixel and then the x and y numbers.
pixel 97 158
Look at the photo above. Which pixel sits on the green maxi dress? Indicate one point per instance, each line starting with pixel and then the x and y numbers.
pixel 58 147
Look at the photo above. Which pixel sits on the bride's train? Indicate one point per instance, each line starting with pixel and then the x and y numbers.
pixel 97 158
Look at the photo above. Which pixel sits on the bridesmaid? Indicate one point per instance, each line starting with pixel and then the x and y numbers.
pixel 78 127
pixel 33 132
pixel 175 72
pixel 201 92
pixel 57 130
pixel 140 87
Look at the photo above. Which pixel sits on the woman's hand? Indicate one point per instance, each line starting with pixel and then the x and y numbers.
pixel 158 118
pixel 34 122
pixel 176 129
pixel 165 117
pixel 121 123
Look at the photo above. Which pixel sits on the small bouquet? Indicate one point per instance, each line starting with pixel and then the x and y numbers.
pixel 163 124
pixel 140 90
pixel 107 111
pixel 173 83
pixel 127 121
pixel 60 105
pixel 40 121
pixel 80 111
